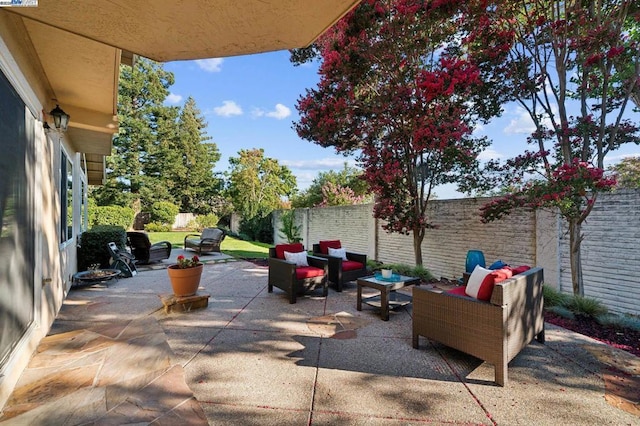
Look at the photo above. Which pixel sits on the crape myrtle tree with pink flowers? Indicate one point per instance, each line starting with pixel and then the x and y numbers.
pixel 396 90
pixel 574 66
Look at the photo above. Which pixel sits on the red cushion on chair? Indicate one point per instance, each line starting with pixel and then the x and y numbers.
pixel 458 291
pixel 351 265
pixel 303 272
pixel 324 245
pixel 291 248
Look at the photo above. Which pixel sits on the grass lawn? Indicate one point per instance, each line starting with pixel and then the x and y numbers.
pixel 230 245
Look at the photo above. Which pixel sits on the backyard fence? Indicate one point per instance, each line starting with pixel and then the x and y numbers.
pixel 610 255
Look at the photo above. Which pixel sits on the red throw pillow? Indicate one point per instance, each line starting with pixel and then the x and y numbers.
pixel 486 288
pixel 520 269
pixel 324 245
pixel 291 248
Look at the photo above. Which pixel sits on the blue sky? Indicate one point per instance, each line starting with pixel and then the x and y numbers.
pixel 249 102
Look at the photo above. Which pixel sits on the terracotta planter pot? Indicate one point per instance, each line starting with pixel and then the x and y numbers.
pixel 185 282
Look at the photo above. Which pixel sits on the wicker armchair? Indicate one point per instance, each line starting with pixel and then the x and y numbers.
pixel 144 251
pixel 343 271
pixel 208 241
pixel 296 280
pixel 494 331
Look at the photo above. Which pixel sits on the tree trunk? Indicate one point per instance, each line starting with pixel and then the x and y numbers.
pixel 418 236
pixel 575 240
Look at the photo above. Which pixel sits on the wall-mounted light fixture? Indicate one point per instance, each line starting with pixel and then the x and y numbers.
pixel 60 118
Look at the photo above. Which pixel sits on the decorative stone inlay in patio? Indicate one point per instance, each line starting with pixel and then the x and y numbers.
pixel 173 303
pixel 120 373
pixel 622 380
pixel 341 325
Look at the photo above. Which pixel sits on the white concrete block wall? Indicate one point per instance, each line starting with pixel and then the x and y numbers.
pixel 611 255
pixel 548 245
pixel 610 252
pixel 352 225
pixel 459 229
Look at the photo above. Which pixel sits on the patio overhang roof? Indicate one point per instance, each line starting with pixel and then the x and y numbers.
pixel 79 46
pixel 169 30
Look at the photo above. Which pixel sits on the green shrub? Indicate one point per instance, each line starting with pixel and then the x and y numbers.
pixel 587 306
pixel 164 212
pixel 289 230
pixel 157 227
pixel 561 311
pixel 207 221
pixel 622 322
pixel 553 297
pixel 93 245
pixel 258 229
pixel 112 215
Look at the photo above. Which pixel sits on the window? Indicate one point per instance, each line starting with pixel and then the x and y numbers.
pixel 66 197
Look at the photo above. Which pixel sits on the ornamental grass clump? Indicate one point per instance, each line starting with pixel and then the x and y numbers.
pixel 185 263
pixel 553 297
pixel 587 306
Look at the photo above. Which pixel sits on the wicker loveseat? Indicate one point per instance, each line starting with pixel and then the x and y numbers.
pixel 494 331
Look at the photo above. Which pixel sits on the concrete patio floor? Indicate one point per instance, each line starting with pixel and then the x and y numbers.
pixel 114 356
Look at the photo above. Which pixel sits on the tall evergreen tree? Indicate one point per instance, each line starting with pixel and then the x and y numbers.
pixel 141 113
pixel 191 180
pixel 161 152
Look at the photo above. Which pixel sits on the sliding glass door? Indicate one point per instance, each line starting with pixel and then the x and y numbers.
pixel 17 234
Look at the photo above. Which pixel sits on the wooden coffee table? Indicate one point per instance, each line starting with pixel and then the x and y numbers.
pixel 388 296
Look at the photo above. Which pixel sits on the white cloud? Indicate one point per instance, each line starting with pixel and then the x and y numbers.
pixel 490 154
pixel 319 164
pixel 523 124
pixel 228 109
pixel 619 157
pixel 279 113
pixel 173 98
pixel 210 65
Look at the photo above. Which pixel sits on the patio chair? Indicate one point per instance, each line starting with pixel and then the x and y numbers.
pixel 208 241
pixel 296 278
pixel 347 267
pixel 144 251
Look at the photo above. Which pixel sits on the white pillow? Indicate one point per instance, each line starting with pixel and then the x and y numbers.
pixel 300 258
pixel 475 280
pixel 341 252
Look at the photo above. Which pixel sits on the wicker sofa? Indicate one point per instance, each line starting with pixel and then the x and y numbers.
pixel 494 331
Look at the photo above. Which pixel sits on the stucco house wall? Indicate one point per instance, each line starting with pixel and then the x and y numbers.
pixel 54 263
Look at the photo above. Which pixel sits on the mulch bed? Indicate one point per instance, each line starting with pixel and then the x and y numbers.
pixel 628 340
